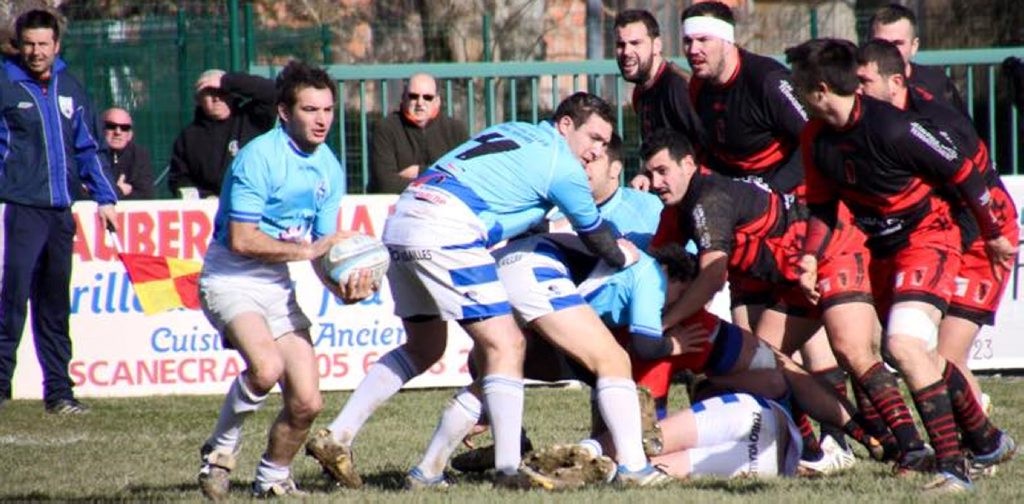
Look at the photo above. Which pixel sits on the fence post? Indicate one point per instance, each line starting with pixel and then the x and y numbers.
pixel 813 11
pixel 234 36
pixel 488 87
pixel 184 89
pixel 325 43
pixel 250 36
pixel 595 40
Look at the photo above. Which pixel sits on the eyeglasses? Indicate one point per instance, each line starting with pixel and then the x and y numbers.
pixel 111 126
pixel 417 96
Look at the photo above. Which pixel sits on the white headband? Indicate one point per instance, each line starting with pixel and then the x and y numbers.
pixel 707 25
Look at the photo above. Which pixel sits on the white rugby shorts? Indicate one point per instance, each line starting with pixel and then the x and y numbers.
pixel 740 435
pixel 225 297
pixel 455 284
pixel 536 278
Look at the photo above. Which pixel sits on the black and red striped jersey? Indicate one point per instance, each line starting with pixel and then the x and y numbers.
pixel 752 123
pixel 666 104
pixel 760 230
pixel 933 83
pixel 885 164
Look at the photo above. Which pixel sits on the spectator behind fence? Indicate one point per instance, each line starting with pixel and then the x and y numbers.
pixel 130 169
pixel 231 109
pixel 49 145
pixel 410 139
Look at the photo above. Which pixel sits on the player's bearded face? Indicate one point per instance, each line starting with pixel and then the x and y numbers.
pixel 310 119
pixel 706 55
pixel 669 179
pixel 872 83
pixel 634 52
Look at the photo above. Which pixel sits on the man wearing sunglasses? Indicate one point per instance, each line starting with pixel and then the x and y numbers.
pixel 410 139
pixel 129 168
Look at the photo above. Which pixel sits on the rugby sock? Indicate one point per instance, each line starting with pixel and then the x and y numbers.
pixel 867 415
pixel 238 405
pixel 835 378
pixel 384 379
pixel 503 400
pixel 881 387
pixel 978 432
pixel 812 449
pixel 268 473
pixel 936 413
pixel 620 408
pixel 457 420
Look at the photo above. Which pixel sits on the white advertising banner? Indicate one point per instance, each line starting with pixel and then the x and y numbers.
pixel 119 351
pixel 1002 345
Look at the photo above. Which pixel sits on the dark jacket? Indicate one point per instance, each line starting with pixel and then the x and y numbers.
pixel 398 144
pixel 48 141
pixel 132 162
pixel 204 150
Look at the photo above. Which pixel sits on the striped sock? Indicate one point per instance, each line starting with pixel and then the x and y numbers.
pixel 978 432
pixel 881 387
pixel 937 416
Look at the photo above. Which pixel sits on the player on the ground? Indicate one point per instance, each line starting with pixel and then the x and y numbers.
pixel 897 24
pixel 979 286
pixel 283 190
pixel 494 187
pixel 884 164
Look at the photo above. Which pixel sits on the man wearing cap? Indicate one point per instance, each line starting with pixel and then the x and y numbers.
pixel 231 109
pixel 129 168
pixel 410 139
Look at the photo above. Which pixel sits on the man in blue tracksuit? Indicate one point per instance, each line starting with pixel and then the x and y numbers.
pixel 48 148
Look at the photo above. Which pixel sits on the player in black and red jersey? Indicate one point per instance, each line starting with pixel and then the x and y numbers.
pixel 661 96
pixel 898 25
pixel 884 164
pixel 752 121
pixel 744 100
pixel 979 286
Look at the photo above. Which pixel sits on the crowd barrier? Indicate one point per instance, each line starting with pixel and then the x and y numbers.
pixel 119 351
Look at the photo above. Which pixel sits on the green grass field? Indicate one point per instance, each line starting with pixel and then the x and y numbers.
pixel 146 449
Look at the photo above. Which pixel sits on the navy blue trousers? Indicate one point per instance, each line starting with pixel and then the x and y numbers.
pixel 35 250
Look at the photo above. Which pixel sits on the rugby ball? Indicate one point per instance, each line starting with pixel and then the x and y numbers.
pixel 353 254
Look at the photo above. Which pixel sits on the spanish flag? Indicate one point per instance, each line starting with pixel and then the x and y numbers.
pixel 163 283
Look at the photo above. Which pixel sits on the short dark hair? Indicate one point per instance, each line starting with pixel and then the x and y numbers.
pixel 681 265
pixel 298 75
pixel 828 60
pixel 631 16
pixel 614 148
pixel 580 106
pixel 883 53
pixel 37 18
pixel 677 144
pixel 892 13
pixel 717 10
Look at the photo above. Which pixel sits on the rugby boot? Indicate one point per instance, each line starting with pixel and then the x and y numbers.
pixel 334 457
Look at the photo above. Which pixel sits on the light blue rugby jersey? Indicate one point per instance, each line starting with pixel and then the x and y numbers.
pixel 511 174
pixel 631 298
pixel 292 195
pixel 635 214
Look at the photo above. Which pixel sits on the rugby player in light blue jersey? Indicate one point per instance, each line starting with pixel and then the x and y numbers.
pixel 493 187
pixel 279 203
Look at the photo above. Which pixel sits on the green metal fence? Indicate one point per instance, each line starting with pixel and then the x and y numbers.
pixel 482 94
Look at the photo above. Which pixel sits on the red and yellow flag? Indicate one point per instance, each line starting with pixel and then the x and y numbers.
pixel 163 283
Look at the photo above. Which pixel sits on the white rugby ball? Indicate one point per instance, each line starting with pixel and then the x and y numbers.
pixel 353 254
